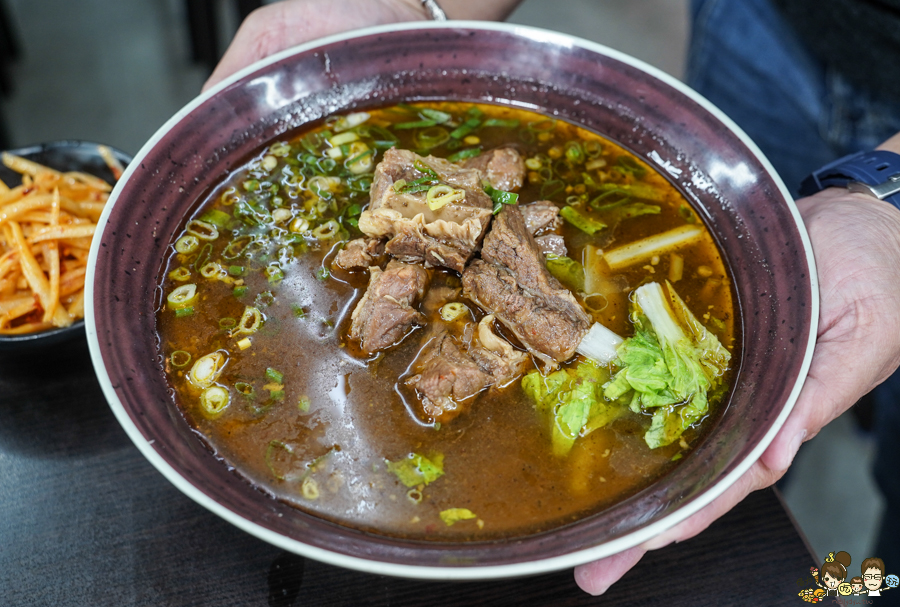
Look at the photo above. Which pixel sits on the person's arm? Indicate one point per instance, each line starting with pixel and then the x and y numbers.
pixel 281 25
pixel 856 242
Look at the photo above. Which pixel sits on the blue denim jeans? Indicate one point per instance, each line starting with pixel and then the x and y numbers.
pixel 746 59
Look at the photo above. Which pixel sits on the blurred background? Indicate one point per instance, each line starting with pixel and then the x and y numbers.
pixel 113 71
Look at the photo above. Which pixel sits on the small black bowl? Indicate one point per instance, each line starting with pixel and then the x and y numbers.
pixel 67 155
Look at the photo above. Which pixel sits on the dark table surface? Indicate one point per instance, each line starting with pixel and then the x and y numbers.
pixel 86 520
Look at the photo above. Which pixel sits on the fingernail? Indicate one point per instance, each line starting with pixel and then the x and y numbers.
pixel 795 444
pixel 793 448
pixel 587 582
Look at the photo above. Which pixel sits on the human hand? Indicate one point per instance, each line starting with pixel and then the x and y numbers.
pixel 275 27
pixel 281 25
pixel 856 242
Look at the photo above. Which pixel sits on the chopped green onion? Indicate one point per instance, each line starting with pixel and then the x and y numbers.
pixel 182 312
pixel 251 321
pixel 592 148
pixel 239 291
pixel 465 128
pixel 213 271
pixel 215 217
pixel 203 256
pixel 499 196
pixel 541 126
pixel 464 154
pixel 551 188
pixel 236 247
pixel 506 124
pixel 362 161
pixel 417 124
pixel 227 322
pixel 441 195
pixel 179 358
pixel 346 137
pixel 350 120
pixel 630 165
pixel 277 395
pixel 421 166
pixel 574 153
pixel 207 369
pixel 274 274
pixel 183 296
pixel 304 404
pixel 298 311
pixel 327 230
pixel 187 244
pixel 274 375
pixel 236 270
pixel 431 137
pixel 180 274
pixel 245 389
pixel 323 274
pixel 453 310
pixel 436 115
pixel 214 400
pixel 582 222
pixel 266 298
pixel 687 214
pixel 202 229
pixel 272 451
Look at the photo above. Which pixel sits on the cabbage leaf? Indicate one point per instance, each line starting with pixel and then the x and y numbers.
pixel 417 469
pixel 573 402
pixel 669 366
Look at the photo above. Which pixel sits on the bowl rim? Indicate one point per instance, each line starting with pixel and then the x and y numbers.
pixel 454 572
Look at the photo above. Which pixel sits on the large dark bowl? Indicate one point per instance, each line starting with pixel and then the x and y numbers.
pixel 719 169
pixel 64 155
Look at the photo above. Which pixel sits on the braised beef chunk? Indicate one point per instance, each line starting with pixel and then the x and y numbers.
pixel 398 211
pixel 387 312
pixel 542 221
pixel 552 244
pixel 413 246
pixel 359 254
pixel 512 282
pixel 503 168
pixel 541 217
pixel 450 372
pixel 448 378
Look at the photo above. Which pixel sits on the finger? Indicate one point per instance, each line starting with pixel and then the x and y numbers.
pixel 279 26
pixel 596 578
pixel 757 477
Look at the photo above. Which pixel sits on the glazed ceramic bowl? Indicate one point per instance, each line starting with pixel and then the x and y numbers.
pixel 64 155
pixel 717 167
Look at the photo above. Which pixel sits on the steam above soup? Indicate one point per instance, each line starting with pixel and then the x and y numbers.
pixel 447 321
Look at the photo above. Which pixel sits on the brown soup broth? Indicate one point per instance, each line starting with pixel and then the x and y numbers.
pixel 312 422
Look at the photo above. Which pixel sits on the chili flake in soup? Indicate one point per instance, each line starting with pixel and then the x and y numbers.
pixel 432 389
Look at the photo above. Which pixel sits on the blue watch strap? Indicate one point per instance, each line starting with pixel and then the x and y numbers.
pixel 876 173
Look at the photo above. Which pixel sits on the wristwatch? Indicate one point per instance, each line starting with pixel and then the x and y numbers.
pixel 876 173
